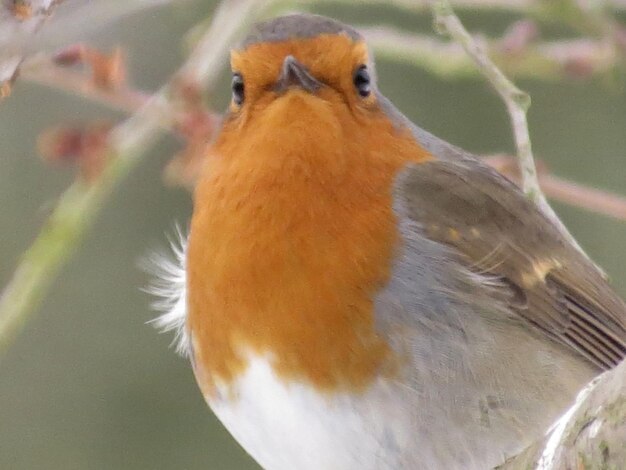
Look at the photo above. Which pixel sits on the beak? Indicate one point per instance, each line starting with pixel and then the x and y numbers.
pixel 293 73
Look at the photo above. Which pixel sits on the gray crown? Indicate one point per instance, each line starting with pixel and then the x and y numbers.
pixel 296 26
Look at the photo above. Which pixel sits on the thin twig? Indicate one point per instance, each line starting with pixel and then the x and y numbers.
pixel 577 195
pixel 559 189
pixel 43 71
pixel 516 101
pixel 80 203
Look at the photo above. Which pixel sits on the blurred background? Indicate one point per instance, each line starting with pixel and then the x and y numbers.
pixel 88 384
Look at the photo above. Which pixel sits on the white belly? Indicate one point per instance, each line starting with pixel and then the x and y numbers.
pixel 290 426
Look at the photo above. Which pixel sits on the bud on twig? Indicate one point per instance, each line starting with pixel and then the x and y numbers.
pixel 108 70
pixel 86 148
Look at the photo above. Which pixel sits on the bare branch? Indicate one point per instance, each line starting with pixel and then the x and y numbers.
pixel 562 190
pixel 556 60
pixel 18 19
pixel 516 101
pixel 22 31
pixel 43 71
pixel 527 7
pixel 591 199
pixel 591 434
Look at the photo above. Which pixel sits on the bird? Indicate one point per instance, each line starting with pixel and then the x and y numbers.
pixel 356 293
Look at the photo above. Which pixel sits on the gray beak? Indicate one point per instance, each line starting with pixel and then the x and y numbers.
pixel 293 73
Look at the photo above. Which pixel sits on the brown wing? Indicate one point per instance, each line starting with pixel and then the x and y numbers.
pixel 498 232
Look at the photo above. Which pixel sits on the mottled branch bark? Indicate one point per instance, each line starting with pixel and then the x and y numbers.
pixel 591 435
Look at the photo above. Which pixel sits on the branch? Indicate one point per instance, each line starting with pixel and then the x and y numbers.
pixel 517 103
pixel 80 203
pixel 591 199
pixel 555 60
pixel 562 190
pixel 19 19
pixel 525 7
pixel 42 70
pixel 591 434
pixel 22 31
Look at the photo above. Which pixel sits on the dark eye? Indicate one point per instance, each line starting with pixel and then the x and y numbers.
pixel 362 81
pixel 238 88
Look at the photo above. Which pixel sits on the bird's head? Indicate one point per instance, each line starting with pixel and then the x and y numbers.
pixel 304 86
pixel 306 59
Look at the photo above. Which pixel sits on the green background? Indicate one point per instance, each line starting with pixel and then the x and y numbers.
pixel 88 385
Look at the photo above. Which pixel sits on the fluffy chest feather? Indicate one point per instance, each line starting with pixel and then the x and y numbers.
pixel 289 244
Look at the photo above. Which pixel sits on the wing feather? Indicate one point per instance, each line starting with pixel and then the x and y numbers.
pixel 497 231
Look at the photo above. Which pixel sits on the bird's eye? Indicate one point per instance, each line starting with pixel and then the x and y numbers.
pixel 238 88
pixel 362 81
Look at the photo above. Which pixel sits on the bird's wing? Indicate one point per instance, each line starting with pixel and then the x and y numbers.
pixel 496 231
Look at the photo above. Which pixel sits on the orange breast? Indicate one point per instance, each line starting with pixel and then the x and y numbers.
pixel 292 235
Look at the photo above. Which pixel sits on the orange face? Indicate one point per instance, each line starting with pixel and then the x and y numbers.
pixel 293 231
pixel 331 59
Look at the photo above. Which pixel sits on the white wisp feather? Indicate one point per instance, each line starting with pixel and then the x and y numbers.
pixel 169 287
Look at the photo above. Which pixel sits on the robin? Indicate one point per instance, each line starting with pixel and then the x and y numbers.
pixel 359 294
